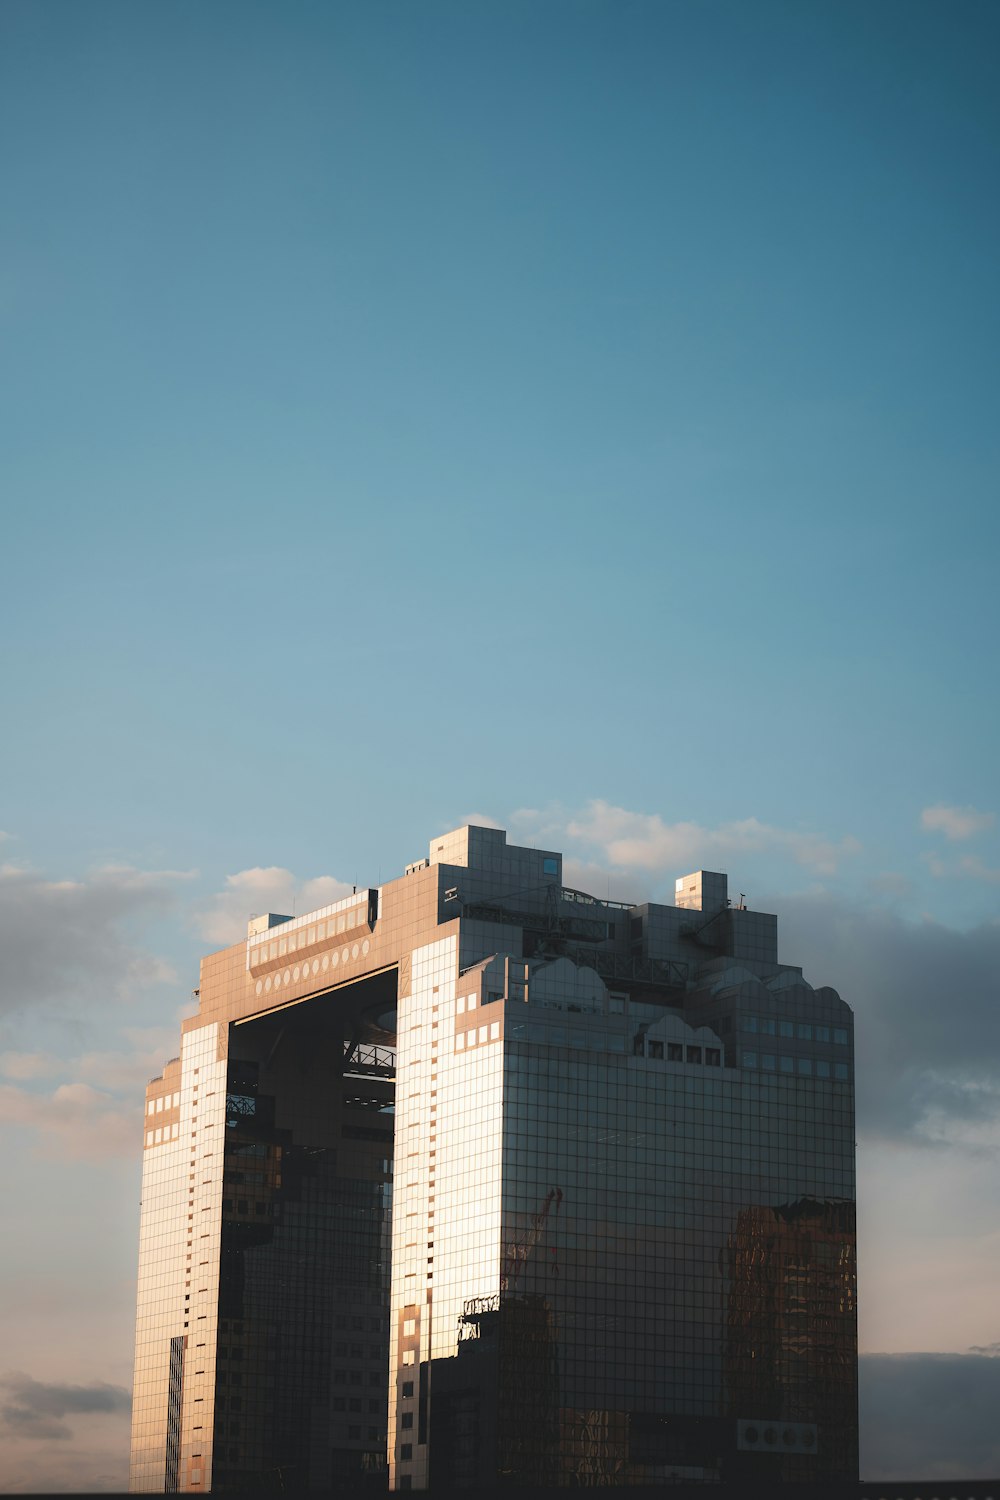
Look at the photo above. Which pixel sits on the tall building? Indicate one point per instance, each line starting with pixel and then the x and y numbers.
pixel 475 1178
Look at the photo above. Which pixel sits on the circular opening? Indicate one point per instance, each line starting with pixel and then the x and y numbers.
pixel 770 1436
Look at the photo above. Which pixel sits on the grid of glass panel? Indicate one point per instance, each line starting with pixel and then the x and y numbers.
pixel 675 1265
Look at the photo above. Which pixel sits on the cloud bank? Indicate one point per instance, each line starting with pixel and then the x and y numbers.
pixel 32 1409
pixel 929 1416
pixel 65 941
pixel 926 1014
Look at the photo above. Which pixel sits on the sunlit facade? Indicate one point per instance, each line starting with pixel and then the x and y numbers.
pixel 473 1178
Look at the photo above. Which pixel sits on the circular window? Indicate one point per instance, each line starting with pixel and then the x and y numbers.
pixel 295 974
pixel 335 959
pixel 345 955
pixel 751 1435
pixel 259 986
pixel 788 1437
pixel 770 1436
pixel 287 976
pixel 326 962
pixel 355 951
pixel 267 985
pixel 366 947
pixel 808 1439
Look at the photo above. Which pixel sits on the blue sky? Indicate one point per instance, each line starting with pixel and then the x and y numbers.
pixel 578 414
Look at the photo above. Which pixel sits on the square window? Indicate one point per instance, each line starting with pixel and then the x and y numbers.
pixel 675 1052
pixel 694 1055
pixel 749 1059
pixel 406 1420
pixel 787 1064
pixel 785 1028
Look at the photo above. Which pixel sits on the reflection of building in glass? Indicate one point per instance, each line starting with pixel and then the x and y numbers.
pixel 620 1147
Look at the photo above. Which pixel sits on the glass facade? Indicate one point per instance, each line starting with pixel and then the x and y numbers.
pixel 540 1191
pixel 637 1268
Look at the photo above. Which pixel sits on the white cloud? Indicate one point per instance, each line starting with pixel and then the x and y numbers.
pixel 263 889
pixel 956 822
pixel 971 864
pixel 643 841
pixel 478 820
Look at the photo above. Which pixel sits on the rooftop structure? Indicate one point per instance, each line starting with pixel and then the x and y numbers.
pixel 473 1178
